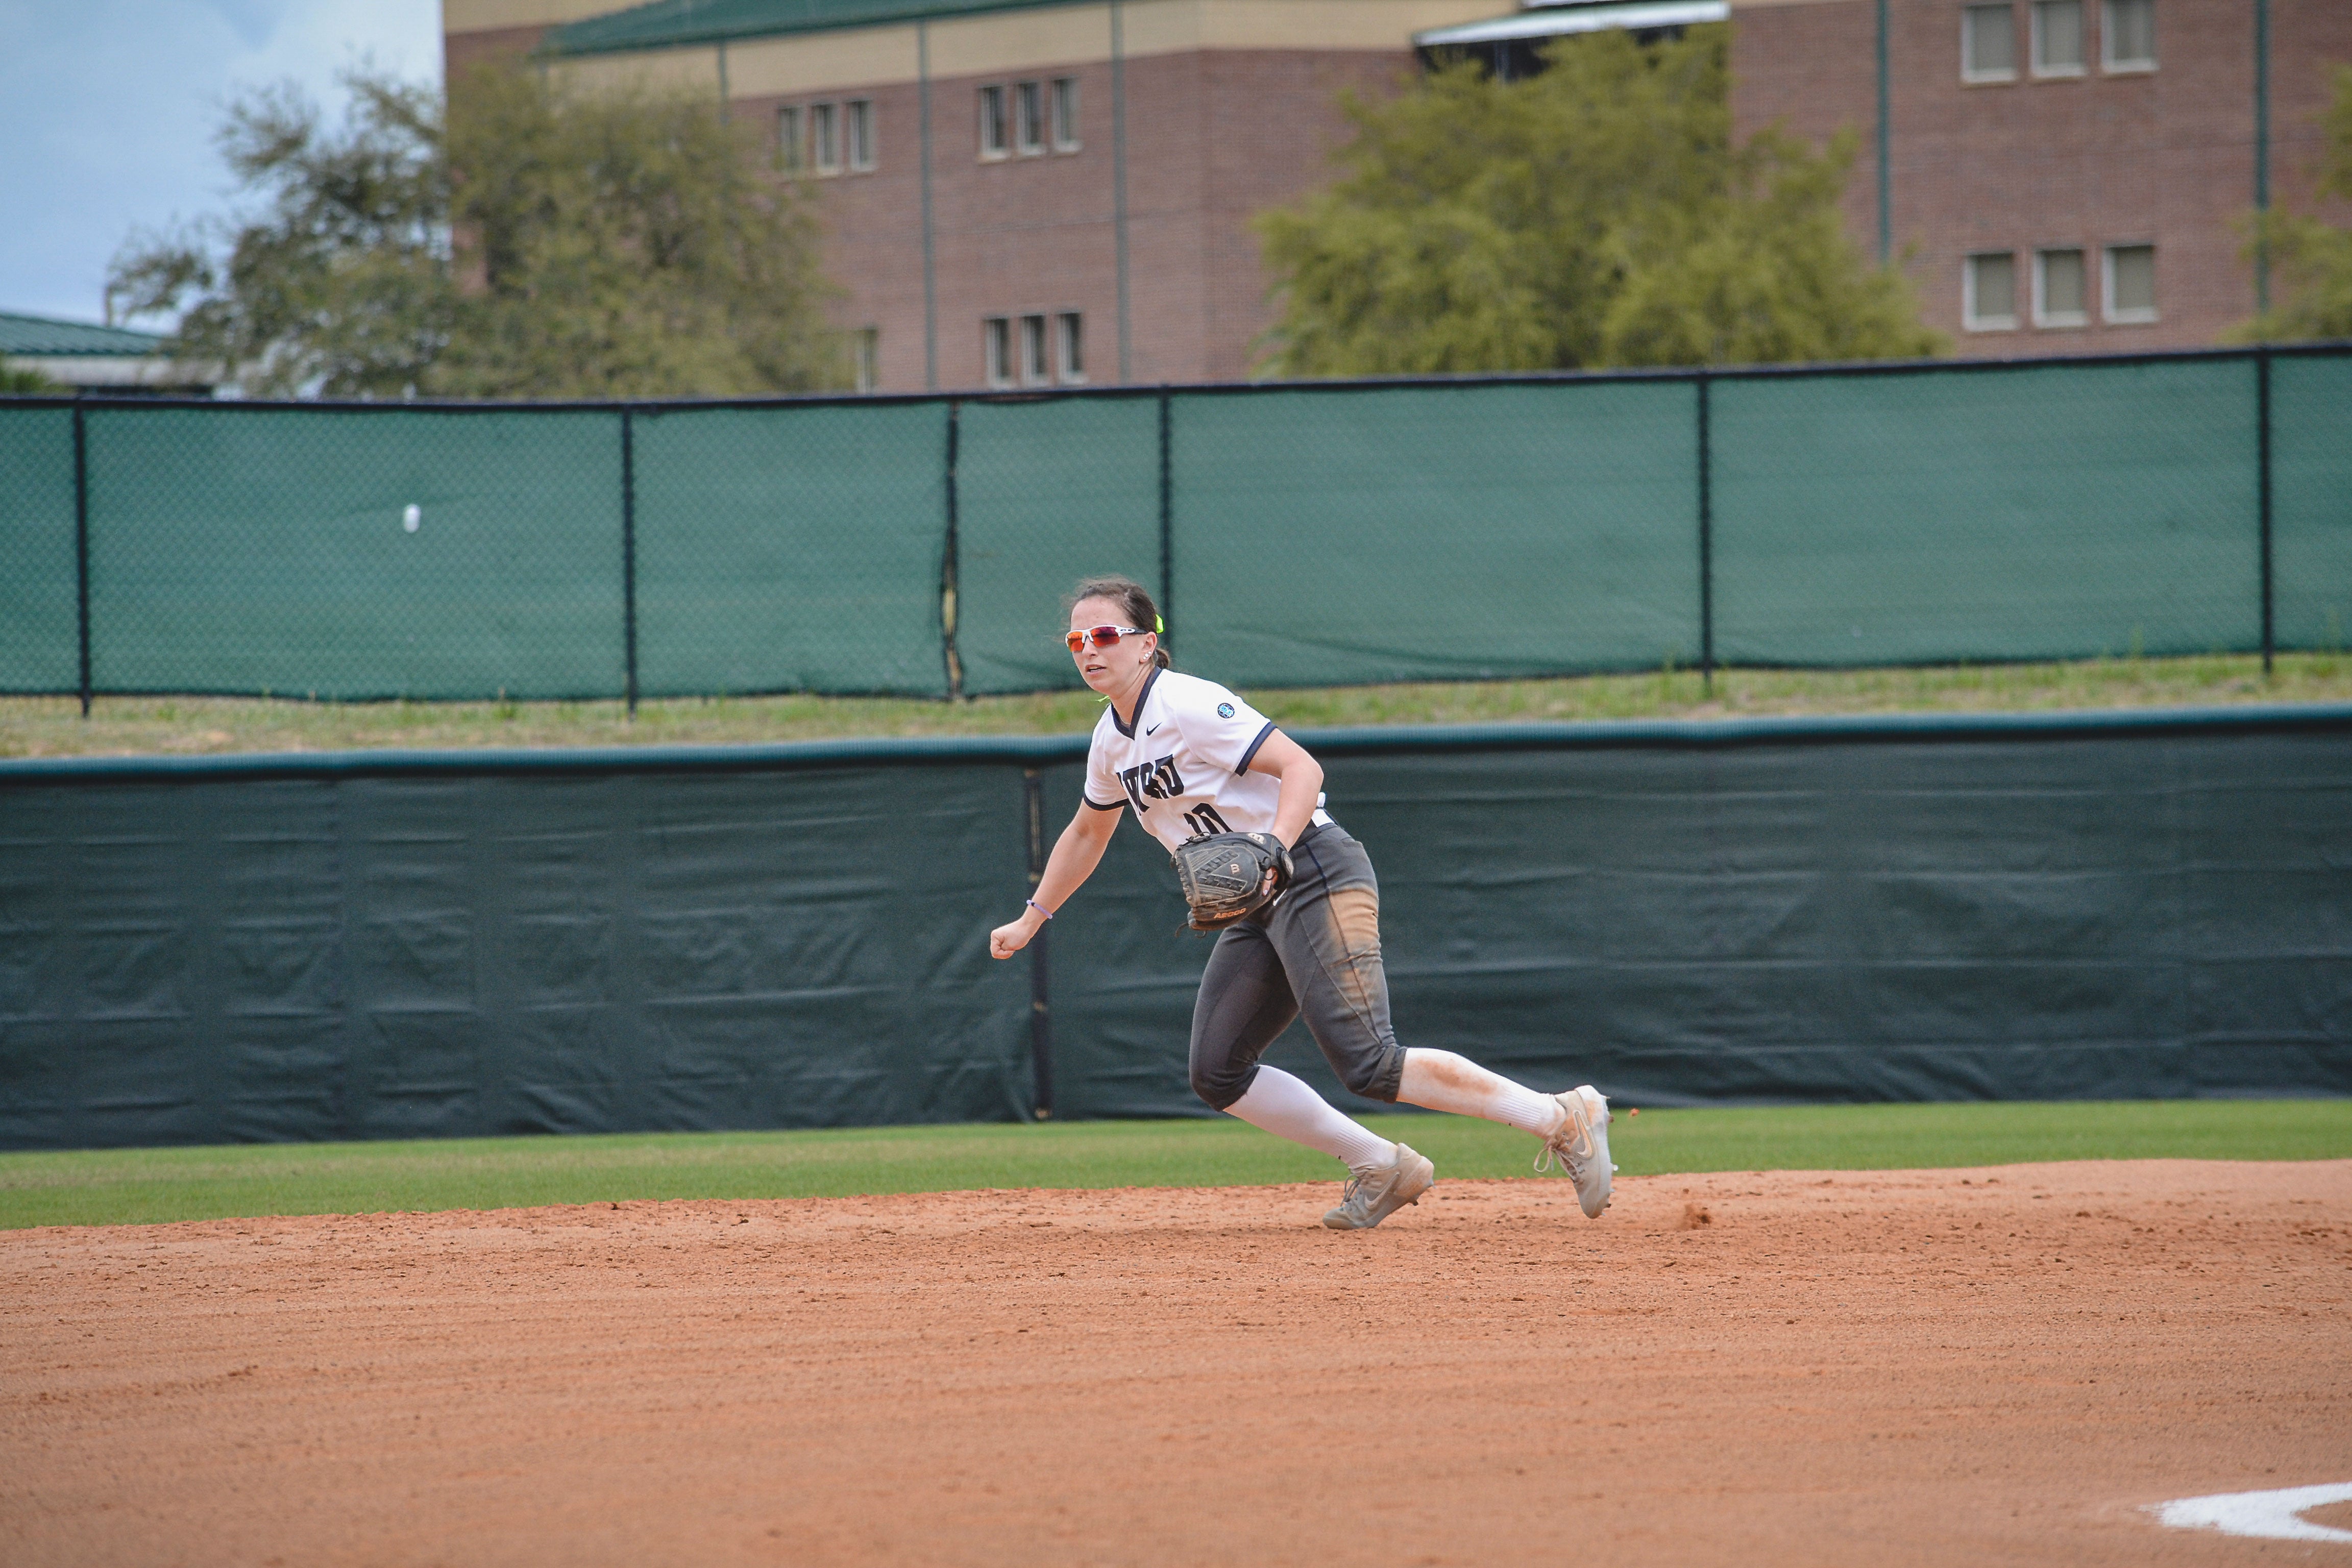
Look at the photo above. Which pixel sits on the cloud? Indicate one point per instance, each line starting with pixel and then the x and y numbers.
pixel 109 106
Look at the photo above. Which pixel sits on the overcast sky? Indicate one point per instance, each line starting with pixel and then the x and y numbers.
pixel 108 109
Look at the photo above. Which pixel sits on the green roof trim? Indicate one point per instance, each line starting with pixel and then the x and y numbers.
pixel 47 337
pixel 675 23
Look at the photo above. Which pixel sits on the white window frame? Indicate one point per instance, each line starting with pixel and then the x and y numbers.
pixel 865 359
pixel 2107 61
pixel 996 350
pixel 1070 348
pixel 857 134
pixel 1029 128
pixel 2138 315
pixel 2044 317
pixel 996 122
pixel 790 154
pixel 824 139
pixel 1970 318
pixel 1064 114
pixel 1969 71
pixel 1036 361
pixel 2033 41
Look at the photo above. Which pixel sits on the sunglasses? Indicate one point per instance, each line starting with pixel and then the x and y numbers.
pixel 1102 636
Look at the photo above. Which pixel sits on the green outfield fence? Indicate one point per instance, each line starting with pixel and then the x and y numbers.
pixel 201 950
pixel 1307 535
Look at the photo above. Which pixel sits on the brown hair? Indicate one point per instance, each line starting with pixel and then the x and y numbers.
pixel 1133 601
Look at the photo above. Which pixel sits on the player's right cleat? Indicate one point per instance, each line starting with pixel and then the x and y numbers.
pixel 1581 1145
pixel 1370 1199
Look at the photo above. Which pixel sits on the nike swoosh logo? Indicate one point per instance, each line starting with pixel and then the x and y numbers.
pixel 1155 729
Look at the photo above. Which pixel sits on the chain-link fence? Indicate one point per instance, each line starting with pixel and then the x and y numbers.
pixel 1297 534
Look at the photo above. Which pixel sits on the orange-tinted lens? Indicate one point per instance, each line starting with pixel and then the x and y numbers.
pixel 1102 636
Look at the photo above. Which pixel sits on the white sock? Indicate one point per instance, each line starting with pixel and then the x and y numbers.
pixel 1278 1103
pixel 1444 1082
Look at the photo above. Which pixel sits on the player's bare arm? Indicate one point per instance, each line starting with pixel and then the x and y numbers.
pixel 1075 855
pixel 1279 756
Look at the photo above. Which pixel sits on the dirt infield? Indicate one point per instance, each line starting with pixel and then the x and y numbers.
pixel 1977 1367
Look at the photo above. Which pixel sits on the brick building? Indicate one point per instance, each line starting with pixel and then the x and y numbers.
pixel 1025 191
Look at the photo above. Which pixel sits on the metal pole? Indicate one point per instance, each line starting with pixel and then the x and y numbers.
pixel 1706 543
pixel 1886 136
pixel 1040 1014
pixel 2263 491
pixel 1167 516
pixel 629 552
pixel 931 261
pixel 1119 175
pixel 81 548
pixel 2262 155
pixel 948 562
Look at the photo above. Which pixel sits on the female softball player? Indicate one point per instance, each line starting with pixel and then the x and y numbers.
pixel 1191 759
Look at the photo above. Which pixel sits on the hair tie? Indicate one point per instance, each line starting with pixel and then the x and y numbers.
pixel 1160 625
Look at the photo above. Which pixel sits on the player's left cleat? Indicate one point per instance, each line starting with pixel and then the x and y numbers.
pixel 1581 1145
pixel 1370 1199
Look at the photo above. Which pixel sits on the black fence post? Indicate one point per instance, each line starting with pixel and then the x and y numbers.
pixel 1167 516
pixel 948 562
pixel 1705 544
pixel 82 549
pixel 1041 1016
pixel 2262 490
pixel 629 551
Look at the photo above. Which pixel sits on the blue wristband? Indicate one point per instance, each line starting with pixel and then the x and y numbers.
pixel 1039 908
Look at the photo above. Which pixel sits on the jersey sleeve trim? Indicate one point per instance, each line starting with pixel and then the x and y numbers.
pixel 1099 806
pixel 1243 766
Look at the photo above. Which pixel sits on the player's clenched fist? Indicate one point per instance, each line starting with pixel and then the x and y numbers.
pixel 1009 938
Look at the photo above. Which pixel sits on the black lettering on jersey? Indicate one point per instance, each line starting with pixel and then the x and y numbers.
pixel 1157 780
pixel 1204 820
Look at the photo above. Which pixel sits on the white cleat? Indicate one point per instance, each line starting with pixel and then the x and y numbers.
pixel 1581 1145
pixel 1371 1198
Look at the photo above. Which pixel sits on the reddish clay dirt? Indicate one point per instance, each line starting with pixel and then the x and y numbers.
pixel 1962 1367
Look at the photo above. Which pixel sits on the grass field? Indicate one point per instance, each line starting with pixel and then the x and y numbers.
pixel 49 726
pixel 157 1185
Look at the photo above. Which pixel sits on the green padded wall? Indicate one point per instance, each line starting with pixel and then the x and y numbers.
pixel 1048 493
pixel 786 549
pixel 2311 502
pixel 2044 511
pixel 40 646
pixel 265 550
pixel 1436 532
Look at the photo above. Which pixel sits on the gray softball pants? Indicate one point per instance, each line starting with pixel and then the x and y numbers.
pixel 1316 952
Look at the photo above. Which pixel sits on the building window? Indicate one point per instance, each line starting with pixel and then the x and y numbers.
pixel 865 359
pixel 2058 289
pixel 2127 35
pixel 860 112
pixel 1989 292
pixel 2130 283
pixel 996 350
pixel 994 134
pixel 1065 114
pixel 2057 38
pixel 1034 371
pixel 1987 44
pixel 1070 346
pixel 788 139
pixel 825 137
pixel 1029 121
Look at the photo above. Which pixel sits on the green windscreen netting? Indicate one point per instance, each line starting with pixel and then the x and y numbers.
pixel 1436 532
pixel 2311 500
pixel 1048 493
pixel 39 644
pixel 352 554
pixel 2044 511
pixel 785 549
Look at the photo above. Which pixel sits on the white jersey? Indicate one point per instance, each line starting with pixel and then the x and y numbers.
pixel 1183 765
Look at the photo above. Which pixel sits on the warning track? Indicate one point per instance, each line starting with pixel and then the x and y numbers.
pixel 1955 1367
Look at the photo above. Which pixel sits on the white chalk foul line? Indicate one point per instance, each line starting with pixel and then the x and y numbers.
pixel 2275 1516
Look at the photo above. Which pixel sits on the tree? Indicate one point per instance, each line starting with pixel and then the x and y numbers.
pixel 22 380
pixel 534 243
pixel 1595 215
pixel 2310 257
